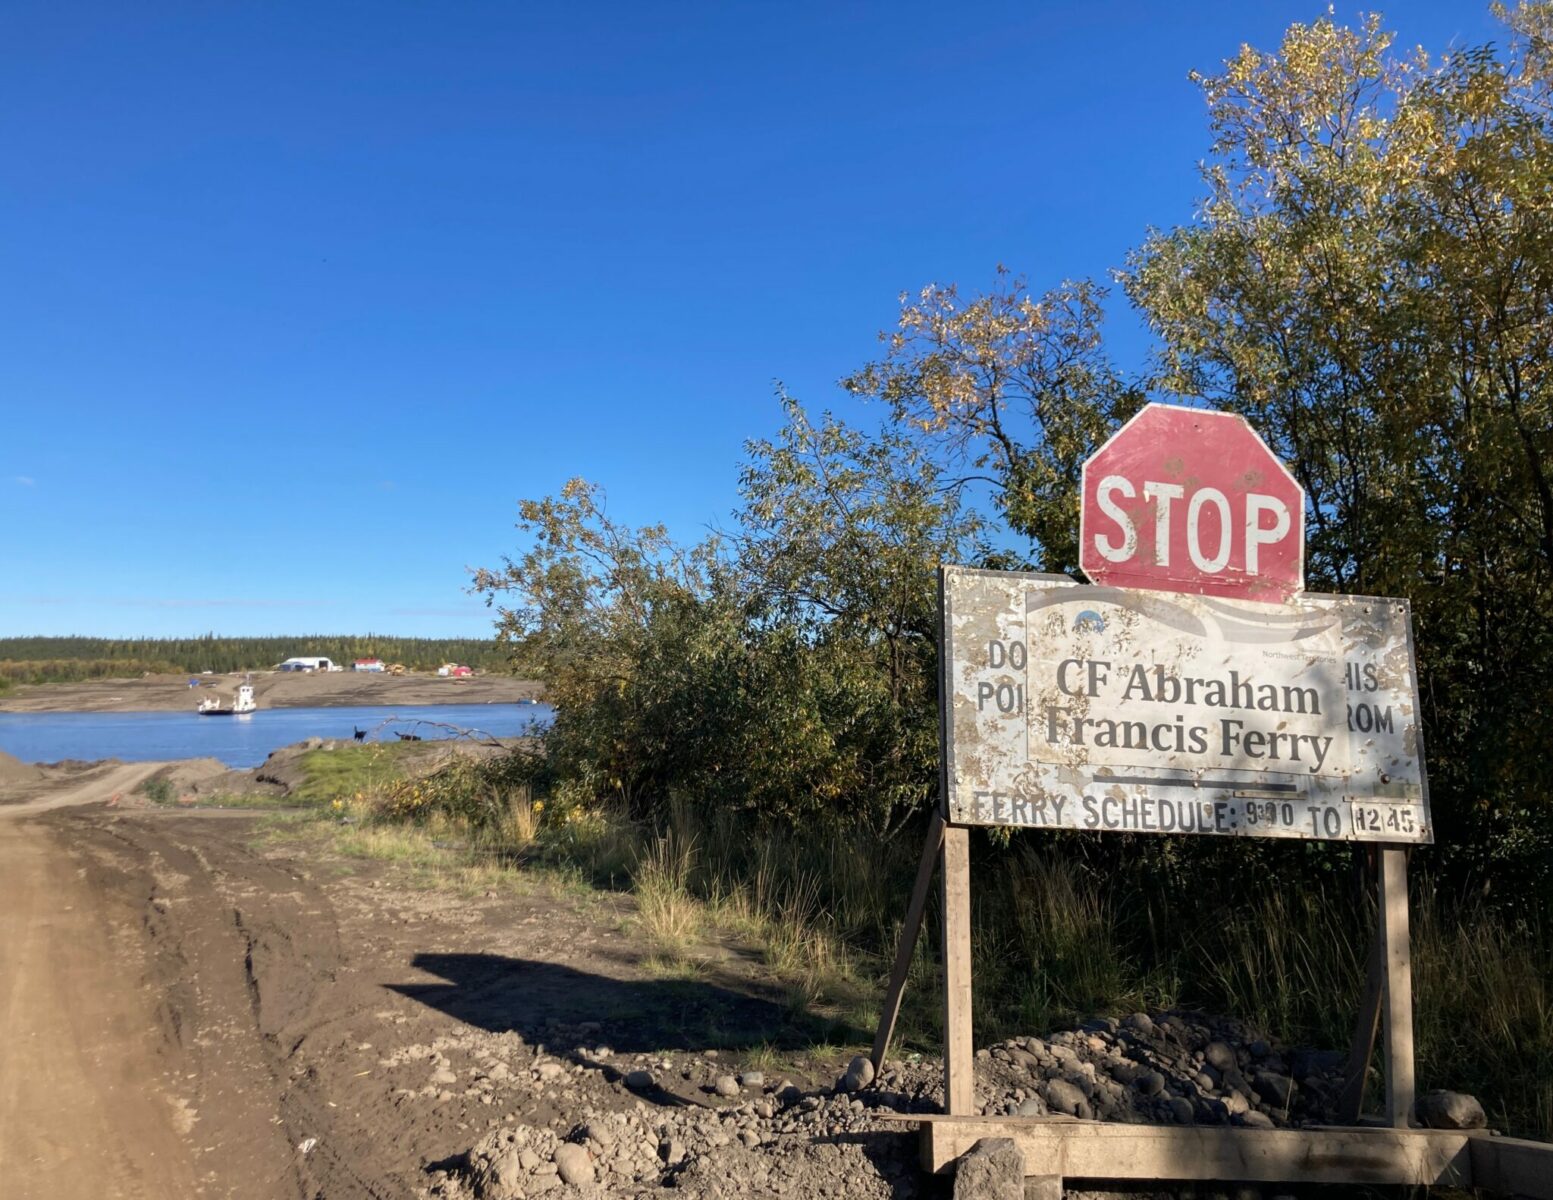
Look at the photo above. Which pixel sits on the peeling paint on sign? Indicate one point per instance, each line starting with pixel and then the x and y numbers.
pixel 1118 710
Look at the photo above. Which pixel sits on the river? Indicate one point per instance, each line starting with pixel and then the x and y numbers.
pixel 244 741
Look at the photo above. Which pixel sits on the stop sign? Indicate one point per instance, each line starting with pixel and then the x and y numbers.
pixel 1186 500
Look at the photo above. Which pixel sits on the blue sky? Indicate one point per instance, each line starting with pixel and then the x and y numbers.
pixel 298 300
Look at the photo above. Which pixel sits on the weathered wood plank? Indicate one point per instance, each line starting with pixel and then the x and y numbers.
pixel 1093 1150
pixel 959 1050
pixel 1513 1167
pixel 1397 953
pixel 931 849
pixel 1362 1048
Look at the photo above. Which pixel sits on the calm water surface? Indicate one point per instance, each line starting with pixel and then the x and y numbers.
pixel 242 741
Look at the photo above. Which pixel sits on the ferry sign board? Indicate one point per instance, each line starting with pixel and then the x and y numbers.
pixel 1189 500
pixel 1120 710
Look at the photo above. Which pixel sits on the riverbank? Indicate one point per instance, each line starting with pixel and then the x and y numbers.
pixel 294 771
pixel 339 689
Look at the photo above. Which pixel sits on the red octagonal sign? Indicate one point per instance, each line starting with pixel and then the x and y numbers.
pixel 1187 500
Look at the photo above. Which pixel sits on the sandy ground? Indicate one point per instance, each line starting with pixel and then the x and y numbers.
pixel 190 1009
pixel 95 1084
pixel 163 693
pixel 204 1002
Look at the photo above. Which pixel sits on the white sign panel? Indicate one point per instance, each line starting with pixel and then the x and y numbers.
pixel 1119 710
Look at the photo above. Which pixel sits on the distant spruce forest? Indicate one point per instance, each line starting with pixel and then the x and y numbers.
pixel 73 659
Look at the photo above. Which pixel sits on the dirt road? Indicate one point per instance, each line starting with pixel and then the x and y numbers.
pixel 192 1008
pixel 128 1069
pixel 84 1110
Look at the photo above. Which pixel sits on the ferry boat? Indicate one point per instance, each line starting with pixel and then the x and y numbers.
pixel 210 706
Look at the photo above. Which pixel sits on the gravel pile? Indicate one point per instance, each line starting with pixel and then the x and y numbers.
pixel 1173 1068
pixel 637 1124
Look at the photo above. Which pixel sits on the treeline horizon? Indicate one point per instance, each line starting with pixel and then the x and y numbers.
pixel 76 658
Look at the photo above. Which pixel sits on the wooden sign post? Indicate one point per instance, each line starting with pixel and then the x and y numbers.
pixel 1208 695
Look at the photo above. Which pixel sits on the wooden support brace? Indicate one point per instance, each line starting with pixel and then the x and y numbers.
pixel 1361 1049
pixel 1350 1103
pixel 931 849
pixel 1079 1150
pixel 959 1050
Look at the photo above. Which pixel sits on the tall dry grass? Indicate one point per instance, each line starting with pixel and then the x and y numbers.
pixel 668 911
pixel 1055 940
pixel 1483 992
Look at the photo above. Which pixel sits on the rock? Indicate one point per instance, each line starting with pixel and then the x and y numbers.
pixel 859 1074
pixel 1123 1072
pixel 1219 1056
pixel 640 1080
pixel 1256 1120
pixel 1181 1111
pixel 504 1175
pixel 1450 1110
pixel 1150 1083
pixel 788 1093
pixel 443 1076
pixel 1260 1049
pixel 753 1079
pixel 672 1151
pixel 600 1135
pixel 1033 1107
pixel 572 1164
pixel 727 1086
pixel 993 1169
pixel 1100 1025
pixel 1063 1097
pixel 1024 1059
pixel 550 1070
pixel 1139 1023
pixel 1277 1090
pixel 1212 1110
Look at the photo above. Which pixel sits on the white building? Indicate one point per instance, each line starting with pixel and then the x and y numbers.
pixel 308 664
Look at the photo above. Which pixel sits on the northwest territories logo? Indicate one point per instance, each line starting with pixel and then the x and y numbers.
pixel 1233 623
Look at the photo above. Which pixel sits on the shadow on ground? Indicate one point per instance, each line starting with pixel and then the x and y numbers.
pixel 572 1011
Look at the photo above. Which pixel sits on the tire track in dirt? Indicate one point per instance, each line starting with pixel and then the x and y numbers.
pixel 96 784
pixel 81 1112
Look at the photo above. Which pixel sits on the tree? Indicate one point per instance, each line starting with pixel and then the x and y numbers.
pixel 788 669
pixel 1013 389
pixel 1371 283
pixel 840 537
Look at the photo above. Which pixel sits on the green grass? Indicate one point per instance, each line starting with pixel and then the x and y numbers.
pixel 158 791
pixel 258 801
pixel 351 771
